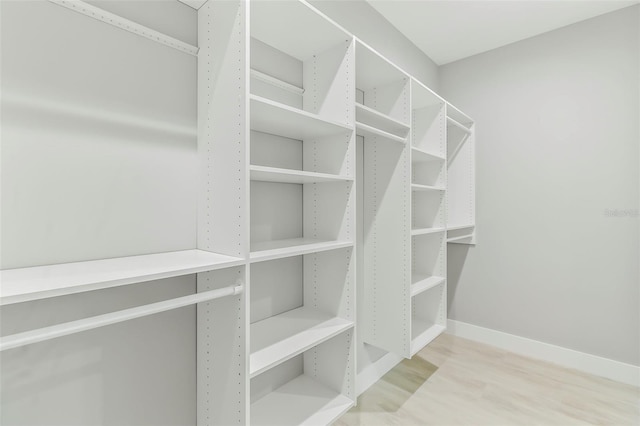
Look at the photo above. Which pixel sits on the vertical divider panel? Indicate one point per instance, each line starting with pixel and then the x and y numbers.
pixel 223 211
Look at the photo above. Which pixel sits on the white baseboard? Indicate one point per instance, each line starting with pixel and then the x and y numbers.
pixel 592 364
pixel 374 372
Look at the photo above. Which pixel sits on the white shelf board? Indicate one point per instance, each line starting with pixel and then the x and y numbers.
pixel 266 78
pixel 456 227
pixel 423 333
pixel 422 96
pixel 419 155
pixel 460 238
pixel 368 131
pixel 278 119
pixel 281 337
pixel 277 249
pixel 423 282
pixel 459 125
pixel 302 401
pixel 424 231
pixel 272 174
pixel 25 284
pixel 458 115
pixel 378 120
pixel 419 187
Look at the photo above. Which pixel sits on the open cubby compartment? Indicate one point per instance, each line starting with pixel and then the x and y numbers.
pixel 301 59
pixel 321 158
pixel 222 349
pixel 461 186
pixel 428 173
pixel 427 210
pixel 315 387
pixel 428 260
pixel 428 316
pixel 382 93
pixel 428 124
pixel 288 219
pixel 298 302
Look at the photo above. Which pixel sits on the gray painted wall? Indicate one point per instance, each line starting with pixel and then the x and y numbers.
pixel 557 188
pixel 362 20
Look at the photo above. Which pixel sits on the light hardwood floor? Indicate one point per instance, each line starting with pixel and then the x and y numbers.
pixel 455 381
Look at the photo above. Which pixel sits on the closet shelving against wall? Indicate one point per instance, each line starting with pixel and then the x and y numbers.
pixel 461 189
pixel 201 186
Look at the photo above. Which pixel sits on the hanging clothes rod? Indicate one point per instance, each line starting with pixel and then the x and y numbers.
pixel 72 327
pixel 125 24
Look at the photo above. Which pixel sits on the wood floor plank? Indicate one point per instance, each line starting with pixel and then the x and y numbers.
pixel 455 381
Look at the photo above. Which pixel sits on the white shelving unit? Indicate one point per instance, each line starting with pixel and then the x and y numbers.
pixel 461 189
pixel 302 167
pixel 247 203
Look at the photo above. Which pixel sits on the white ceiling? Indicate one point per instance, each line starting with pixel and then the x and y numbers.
pixel 448 30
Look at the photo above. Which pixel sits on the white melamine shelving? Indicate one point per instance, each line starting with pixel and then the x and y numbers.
pixel 370 132
pixel 281 337
pixel 460 177
pixel 275 118
pixel 378 120
pixel 24 284
pixel 273 174
pixel 249 195
pixel 277 249
pixel 423 282
pixel 301 401
pixel 419 187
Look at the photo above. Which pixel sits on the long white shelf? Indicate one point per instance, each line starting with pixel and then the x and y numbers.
pixel 456 227
pixel 419 187
pixel 421 155
pixel 272 174
pixel 277 249
pixel 301 401
pixel 278 119
pixel 378 120
pixel 39 282
pixel 423 333
pixel 422 282
pixel 266 78
pixel 369 131
pixel 281 337
pixel 424 231
pixel 459 239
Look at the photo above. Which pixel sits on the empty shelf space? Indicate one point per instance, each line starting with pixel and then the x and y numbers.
pixel 278 249
pixel 419 187
pixel 266 78
pixel 278 119
pixel 281 337
pixel 423 333
pixel 423 282
pixel 459 125
pixel 273 174
pixel 21 285
pixel 368 131
pixel 419 155
pixel 300 401
pixel 423 231
pixel 378 120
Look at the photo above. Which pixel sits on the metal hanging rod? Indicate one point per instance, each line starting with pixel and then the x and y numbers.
pixel 125 24
pixel 72 327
